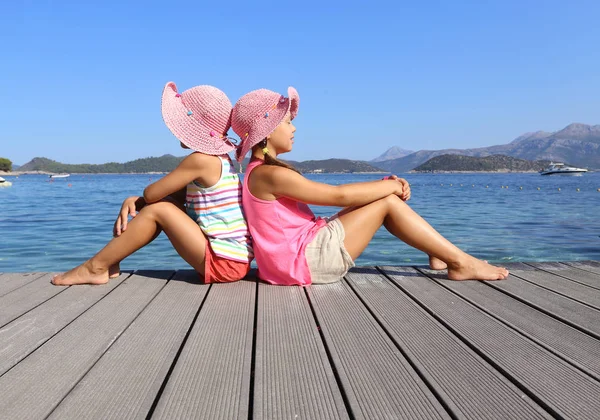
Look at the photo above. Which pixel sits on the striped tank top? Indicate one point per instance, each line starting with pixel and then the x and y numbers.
pixel 218 212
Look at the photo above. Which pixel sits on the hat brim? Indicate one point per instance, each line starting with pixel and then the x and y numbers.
pixel 188 130
pixel 276 115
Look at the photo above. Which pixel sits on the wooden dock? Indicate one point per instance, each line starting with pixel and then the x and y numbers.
pixel 385 343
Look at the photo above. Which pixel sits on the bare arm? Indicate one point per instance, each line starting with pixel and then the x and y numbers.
pixel 271 182
pixel 195 166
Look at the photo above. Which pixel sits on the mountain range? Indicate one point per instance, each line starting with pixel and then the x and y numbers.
pixel 167 163
pixel 394 152
pixel 578 144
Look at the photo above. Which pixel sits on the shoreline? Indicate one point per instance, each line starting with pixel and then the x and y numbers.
pixel 19 173
pixel 474 172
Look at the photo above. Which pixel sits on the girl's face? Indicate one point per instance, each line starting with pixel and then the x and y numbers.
pixel 281 139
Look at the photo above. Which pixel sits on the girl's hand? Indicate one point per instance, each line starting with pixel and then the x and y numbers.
pixel 405 195
pixel 128 208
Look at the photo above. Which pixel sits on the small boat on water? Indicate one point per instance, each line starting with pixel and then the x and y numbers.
pixel 4 182
pixel 560 169
pixel 60 176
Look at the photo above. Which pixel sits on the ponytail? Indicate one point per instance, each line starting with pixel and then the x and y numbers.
pixel 270 160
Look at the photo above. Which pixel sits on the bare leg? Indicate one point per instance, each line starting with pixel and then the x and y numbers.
pixel 434 263
pixel 401 221
pixel 185 235
pixel 437 264
pixel 114 270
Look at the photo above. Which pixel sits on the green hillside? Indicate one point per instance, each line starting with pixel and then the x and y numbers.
pixel 335 165
pixel 167 163
pixel 494 163
pixel 164 163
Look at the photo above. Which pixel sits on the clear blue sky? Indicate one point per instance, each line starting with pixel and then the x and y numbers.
pixel 82 82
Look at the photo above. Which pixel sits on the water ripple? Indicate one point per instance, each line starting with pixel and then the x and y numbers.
pixel 52 226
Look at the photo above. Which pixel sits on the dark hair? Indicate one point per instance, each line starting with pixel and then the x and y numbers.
pixel 270 160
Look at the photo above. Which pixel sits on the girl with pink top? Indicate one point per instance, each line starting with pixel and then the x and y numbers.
pixel 291 245
pixel 213 236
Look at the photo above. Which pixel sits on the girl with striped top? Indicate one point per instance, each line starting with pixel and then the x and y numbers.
pixel 198 205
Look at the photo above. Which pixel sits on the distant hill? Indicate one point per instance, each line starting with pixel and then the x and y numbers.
pixel 393 153
pixel 335 165
pixel 164 163
pixel 167 163
pixel 494 163
pixel 578 144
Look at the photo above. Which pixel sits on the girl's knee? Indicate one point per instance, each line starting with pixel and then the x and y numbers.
pixel 393 200
pixel 157 209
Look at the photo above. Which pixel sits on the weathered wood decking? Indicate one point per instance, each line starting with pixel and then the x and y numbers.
pixel 387 342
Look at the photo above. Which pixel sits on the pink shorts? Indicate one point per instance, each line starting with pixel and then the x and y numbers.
pixel 222 270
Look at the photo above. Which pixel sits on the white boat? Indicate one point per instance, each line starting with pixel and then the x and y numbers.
pixel 60 175
pixel 560 169
pixel 4 182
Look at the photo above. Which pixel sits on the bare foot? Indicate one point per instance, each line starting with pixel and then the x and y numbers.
pixel 82 274
pixel 114 271
pixel 436 263
pixel 473 269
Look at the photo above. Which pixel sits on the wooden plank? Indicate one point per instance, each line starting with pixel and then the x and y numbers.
pixel 444 361
pixel 378 381
pixel 571 289
pixel 26 333
pixel 563 340
pixel 572 273
pixel 592 266
pixel 27 297
pixel 557 386
pixel 293 377
pixel 124 383
pixel 211 379
pixel 12 281
pixel 561 307
pixel 34 387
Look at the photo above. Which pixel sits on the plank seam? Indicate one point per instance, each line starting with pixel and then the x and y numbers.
pixel 70 322
pixel 474 348
pixel 108 348
pixel 452 410
pixel 545 311
pixel 176 358
pixel 25 284
pixel 557 292
pixel 568 264
pixel 519 331
pixel 253 352
pixel 31 309
pixel 330 358
pixel 564 277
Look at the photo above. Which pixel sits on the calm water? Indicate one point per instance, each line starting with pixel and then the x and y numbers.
pixel 48 226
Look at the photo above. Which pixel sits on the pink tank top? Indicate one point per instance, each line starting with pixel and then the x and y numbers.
pixel 280 231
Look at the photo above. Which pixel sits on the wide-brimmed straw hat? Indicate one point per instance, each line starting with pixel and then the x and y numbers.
pixel 257 113
pixel 199 117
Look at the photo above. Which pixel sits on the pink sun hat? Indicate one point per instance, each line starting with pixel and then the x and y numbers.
pixel 199 117
pixel 257 113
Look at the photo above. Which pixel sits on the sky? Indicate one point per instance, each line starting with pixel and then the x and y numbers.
pixel 82 81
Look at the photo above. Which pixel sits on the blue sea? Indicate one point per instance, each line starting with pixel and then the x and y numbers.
pixel 53 226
